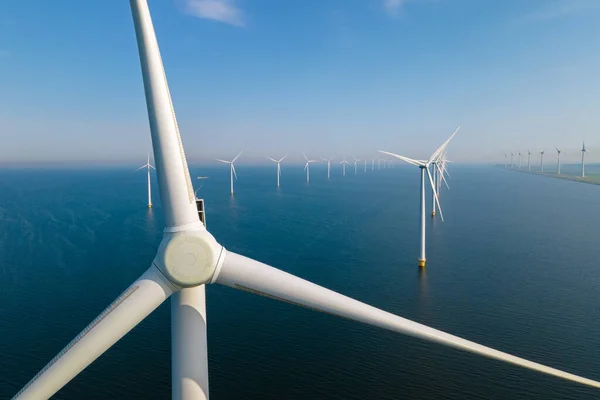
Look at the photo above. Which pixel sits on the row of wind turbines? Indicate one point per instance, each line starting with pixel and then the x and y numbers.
pixel 189 258
pixel 517 163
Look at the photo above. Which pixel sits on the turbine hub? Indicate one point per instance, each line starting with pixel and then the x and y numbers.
pixel 188 258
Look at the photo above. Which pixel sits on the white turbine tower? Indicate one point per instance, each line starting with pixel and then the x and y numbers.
pixel 511 160
pixel 278 162
pixel 189 258
pixel 231 169
pixel 558 152
pixel 378 163
pixel 542 160
pixel 583 151
pixel 356 160
pixel 528 160
pixel 372 165
pixel 148 166
pixel 344 162
pixel 424 166
pixel 328 161
pixel 519 159
pixel 307 167
pixel 505 160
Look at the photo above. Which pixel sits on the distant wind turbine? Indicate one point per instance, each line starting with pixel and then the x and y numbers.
pixel 307 167
pixel 356 160
pixel 558 159
pixel 328 161
pixel 424 166
pixel 528 160
pixel 232 172
pixel 344 162
pixel 365 165
pixel 372 165
pixel 278 162
pixel 542 160
pixel 583 151
pixel 505 160
pixel 148 166
pixel 519 159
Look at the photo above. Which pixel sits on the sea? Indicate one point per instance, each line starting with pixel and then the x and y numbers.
pixel 515 266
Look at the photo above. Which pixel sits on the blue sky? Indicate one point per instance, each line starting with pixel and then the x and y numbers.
pixel 319 76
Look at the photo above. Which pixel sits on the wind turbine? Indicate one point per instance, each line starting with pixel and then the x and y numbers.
pixel 424 166
pixel 505 160
pixel 278 162
pixel 231 167
pixel 583 151
pixel 436 191
pixel 519 159
pixel 307 167
pixel 344 162
pixel 558 159
pixel 542 160
pixel 356 160
pixel 511 160
pixel 372 165
pixel 365 165
pixel 148 166
pixel 528 160
pixel 378 163
pixel 328 161
pixel 189 258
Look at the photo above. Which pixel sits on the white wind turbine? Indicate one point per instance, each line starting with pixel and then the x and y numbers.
pixel 365 165
pixel 424 166
pixel 511 160
pixel 542 160
pixel 528 160
pixel 148 166
pixel 583 151
pixel 189 258
pixel 344 162
pixel 519 159
pixel 307 167
pixel 231 169
pixel 372 165
pixel 505 160
pixel 558 152
pixel 328 161
pixel 278 162
pixel 356 160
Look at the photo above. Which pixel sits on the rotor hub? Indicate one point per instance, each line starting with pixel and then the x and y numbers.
pixel 188 258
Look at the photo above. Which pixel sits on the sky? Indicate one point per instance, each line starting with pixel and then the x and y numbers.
pixel 325 77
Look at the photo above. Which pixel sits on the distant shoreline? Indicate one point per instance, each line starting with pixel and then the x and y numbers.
pixel 592 179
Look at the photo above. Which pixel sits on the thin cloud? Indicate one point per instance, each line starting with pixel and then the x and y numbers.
pixel 393 7
pixel 224 11
pixel 562 8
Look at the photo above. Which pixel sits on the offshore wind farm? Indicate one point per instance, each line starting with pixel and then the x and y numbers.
pixel 464 281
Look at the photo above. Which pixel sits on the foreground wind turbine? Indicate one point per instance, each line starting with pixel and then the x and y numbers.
pixel 356 160
pixel 558 159
pixel 424 166
pixel 328 161
pixel 542 160
pixel 189 258
pixel 307 167
pixel 344 162
pixel 528 160
pixel 278 162
pixel 583 151
pixel 231 169
pixel 148 166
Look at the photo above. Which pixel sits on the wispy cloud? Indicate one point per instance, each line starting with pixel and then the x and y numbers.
pixel 217 10
pixel 393 7
pixel 562 8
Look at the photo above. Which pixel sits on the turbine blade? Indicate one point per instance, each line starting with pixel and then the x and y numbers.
pixel 255 277
pixel 443 146
pixel 150 165
pixel 272 159
pixel 443 177
pixel 283 158
pixel 223 161
pixel 175 185
pixel 435 195
pixel 236 157
pixel 143 166
pixel 304 155
pixel 128 310
pixel 233 169
pixel 406 159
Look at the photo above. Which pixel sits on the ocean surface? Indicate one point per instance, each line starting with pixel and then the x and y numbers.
pixel 514 266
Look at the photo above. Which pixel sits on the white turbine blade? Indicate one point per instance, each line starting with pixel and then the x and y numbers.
pixel 128 310
pixel 150 165
pixel 175 185
pixel 223 161
pixel 233 169
pixel 283 158
pixel 272 159
pixel 444 178
pixel 306 165
pixel 435 195
pixel 304 155
pixel 142 167
pixel 236 157
pixel 406 159
pixel 255 277
pixel 443 146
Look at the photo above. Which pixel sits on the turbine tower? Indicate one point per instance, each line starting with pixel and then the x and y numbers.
pixel 328 161
pixel 356 160
pixel 189 258
pixel 365 165
pixel 528 160
pixel 424 166
pixel 148 166
pixel 505 160
pixel 558 160
pixel 519 159
pixel 232 172
pixel 372 165
pixel 511 160
pixel 307 167
pixel 344 162
pixel 583 151
pixel 542 160
pixel 278 162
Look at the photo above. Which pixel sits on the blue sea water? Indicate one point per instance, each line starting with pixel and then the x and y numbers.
pixel 514 266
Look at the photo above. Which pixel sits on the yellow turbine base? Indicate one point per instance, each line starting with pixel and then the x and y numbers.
pixel 149 205
pixel 433 213
pixel 422 263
